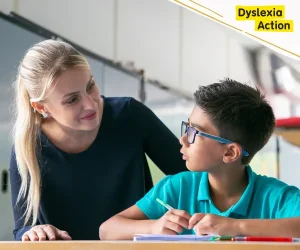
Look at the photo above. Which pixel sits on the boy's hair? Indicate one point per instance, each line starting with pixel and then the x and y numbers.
pixel 239 112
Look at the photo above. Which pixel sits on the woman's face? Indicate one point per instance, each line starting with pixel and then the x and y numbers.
pixel 74 100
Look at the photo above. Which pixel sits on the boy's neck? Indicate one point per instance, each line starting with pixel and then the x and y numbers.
pixel 227 186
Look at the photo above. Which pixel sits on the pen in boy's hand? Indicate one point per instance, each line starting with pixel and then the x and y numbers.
pixel 164 204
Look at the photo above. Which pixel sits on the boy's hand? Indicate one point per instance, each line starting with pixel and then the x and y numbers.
pixel 173 222
pixel 213 224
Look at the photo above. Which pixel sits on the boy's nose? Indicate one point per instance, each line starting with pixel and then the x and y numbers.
pixel 183 140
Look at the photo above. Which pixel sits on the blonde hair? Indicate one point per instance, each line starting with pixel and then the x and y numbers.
pixel 41 65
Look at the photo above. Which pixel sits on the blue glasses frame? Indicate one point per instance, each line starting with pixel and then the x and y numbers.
pixel 192 132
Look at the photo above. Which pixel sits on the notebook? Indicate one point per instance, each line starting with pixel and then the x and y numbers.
pixel 164 237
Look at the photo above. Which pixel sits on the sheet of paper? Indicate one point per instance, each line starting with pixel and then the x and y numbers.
pixel 164 237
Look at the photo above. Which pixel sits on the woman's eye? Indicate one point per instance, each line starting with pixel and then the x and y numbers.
pixel 72 100
pixel 90 86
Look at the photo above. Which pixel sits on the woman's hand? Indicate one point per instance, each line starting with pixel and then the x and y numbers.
pixel 45 232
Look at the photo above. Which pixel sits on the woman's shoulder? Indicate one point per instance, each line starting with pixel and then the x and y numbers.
pixel 120 107
pixel 118 102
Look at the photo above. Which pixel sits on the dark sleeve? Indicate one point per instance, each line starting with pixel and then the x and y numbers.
pixel 20 207
pixel 159 143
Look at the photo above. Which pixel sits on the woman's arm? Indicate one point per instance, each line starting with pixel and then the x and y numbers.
pixel 159 143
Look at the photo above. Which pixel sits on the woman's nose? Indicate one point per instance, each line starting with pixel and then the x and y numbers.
pixel 88 102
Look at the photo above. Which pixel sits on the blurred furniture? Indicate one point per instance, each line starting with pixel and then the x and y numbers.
pixel 289 130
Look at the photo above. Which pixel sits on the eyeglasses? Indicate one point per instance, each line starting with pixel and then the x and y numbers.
pixel 192 132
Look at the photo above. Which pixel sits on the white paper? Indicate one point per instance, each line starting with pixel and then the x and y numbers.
pixel 165 237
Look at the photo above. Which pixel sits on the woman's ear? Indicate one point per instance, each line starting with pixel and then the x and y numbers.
pixel 37 106
pixel 232 153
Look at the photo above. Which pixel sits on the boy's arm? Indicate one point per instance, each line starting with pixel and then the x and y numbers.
pixel 135 219
pixel 147 216
pixel 131 221
pixel 214 224
pixel 289 227
pixel 124 225
pixel 286 221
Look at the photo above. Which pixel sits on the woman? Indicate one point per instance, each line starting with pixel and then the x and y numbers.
pixel 78 157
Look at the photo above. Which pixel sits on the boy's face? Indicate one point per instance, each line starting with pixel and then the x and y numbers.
pixel 205 154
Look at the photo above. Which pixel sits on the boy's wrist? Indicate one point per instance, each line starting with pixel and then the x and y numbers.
pixel 238 226
pixel 151 227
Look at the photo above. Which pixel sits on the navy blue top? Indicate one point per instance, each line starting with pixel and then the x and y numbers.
pixel 81 191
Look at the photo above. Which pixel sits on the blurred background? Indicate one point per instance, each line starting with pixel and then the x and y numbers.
pixel 156 52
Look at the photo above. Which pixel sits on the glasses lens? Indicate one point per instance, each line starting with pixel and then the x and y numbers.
pixel 191 134
pixel 190 131
pixel 183 128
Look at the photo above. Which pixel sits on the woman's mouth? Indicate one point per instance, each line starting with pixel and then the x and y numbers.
pixel 90 116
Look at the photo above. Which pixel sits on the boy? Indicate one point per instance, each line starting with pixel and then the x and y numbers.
pixel 220 195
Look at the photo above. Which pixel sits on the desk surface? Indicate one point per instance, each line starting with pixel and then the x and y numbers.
pixel 129 245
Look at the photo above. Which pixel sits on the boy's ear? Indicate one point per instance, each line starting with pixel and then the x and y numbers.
pixel 232 153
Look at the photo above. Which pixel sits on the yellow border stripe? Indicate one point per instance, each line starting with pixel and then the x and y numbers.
pixel 204 14
pixel 273 44
pixel 206 8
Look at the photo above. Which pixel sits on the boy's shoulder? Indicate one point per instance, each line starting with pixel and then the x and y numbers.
pixel 273 185
pixel 267 181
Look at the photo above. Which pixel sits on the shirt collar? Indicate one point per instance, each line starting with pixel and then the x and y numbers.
pixel 241 207
pixel 203 193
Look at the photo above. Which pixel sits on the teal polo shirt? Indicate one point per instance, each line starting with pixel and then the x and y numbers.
pixel 264 197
